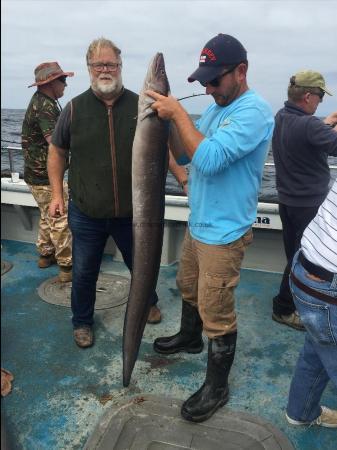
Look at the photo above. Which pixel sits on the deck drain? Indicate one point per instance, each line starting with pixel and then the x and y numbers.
pixel 111 291
pixel 150 422
pixel 5 267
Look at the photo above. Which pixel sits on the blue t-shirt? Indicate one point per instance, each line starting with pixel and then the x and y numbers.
pixel 226 169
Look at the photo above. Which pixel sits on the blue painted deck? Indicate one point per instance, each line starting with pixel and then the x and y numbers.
pixel 60 391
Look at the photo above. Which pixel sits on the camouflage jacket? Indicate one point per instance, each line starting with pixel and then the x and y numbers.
pixel 39 122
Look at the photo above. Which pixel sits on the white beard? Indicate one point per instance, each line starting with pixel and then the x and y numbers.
pixel 102 87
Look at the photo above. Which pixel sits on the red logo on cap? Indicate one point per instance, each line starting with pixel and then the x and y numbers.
pixel 208 52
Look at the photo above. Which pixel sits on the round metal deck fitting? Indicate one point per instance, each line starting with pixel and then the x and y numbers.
pixel 153 423
pixel 111 291
pixel 5 267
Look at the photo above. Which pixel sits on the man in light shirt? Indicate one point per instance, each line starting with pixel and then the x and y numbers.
pixel 227 148
pixel 313 281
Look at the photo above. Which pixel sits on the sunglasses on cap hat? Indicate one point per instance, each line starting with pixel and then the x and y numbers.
pixel 216 81
pixel 320 94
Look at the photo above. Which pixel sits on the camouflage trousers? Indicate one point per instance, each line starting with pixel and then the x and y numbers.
pixel 54 234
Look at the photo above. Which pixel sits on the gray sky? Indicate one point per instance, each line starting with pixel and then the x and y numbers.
pixel 281 37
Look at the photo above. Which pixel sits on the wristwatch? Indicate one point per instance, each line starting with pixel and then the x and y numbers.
pixel 183 184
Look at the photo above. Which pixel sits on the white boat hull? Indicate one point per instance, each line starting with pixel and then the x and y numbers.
pixel 20 218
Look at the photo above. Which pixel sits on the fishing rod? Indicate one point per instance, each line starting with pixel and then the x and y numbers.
pixel 190 96
pixel 181 98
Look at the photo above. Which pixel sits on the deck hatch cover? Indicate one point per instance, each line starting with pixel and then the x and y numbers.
pixel 111 290
pixel 153 423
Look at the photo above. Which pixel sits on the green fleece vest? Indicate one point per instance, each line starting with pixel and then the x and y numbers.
pixel 100 154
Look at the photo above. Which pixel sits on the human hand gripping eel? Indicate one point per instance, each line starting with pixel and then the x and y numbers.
pixel 165 106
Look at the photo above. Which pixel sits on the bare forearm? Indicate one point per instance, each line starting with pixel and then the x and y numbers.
pixel 179 172
pixel 169 108
pixel 56 169
pixel 189 135
pixel 175 143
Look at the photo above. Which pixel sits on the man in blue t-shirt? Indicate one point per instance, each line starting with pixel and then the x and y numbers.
pixel 227 149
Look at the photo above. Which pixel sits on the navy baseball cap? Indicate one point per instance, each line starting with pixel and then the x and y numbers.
pixel 222 50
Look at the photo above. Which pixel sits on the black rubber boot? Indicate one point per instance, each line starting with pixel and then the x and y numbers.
pixel 189 338
pixel 214 392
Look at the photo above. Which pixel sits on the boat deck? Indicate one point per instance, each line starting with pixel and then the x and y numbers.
pixel 60 392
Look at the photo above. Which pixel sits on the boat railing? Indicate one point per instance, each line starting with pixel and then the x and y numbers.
pixel 11 149
pixel 17 193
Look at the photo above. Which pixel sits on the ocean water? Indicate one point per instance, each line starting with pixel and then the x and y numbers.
pixel 11 123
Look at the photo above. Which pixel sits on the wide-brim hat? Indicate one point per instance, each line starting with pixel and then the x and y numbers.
pixel 310 79
pixel 47 72
pixel 221 51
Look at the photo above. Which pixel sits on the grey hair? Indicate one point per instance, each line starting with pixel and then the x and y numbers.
pixel 296 93
pixel 97 44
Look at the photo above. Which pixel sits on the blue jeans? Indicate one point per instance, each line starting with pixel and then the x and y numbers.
pixel 317 362
pixel 89 238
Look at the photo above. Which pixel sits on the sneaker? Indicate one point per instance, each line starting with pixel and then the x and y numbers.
pixel 66 274
pixel 46 261
pixel 328 418
pixel 292 320
pixel 154 315
pixel 84 336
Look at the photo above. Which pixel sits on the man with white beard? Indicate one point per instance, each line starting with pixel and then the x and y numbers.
pixel 97 129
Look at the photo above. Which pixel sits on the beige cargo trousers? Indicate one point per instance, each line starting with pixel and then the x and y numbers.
pixel 207 277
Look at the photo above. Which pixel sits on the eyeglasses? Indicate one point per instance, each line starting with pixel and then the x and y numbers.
pixel 216 81
pixel 99 66
pixel 63 79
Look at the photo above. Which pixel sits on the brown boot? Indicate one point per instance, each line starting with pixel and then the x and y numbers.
pixel 46 261
pixel 66 274
pixel 154 315
pixel 84 336
pixel 6 382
